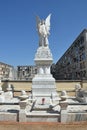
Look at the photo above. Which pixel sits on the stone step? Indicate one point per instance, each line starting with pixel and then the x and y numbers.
pixel 41 107
pixel 42 113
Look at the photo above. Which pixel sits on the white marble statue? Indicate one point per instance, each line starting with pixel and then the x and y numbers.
pixel 43 27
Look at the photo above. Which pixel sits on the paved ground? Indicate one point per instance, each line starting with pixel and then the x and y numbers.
pixel 43 126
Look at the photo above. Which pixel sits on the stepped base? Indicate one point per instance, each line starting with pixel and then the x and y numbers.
pixel 43 117
pixel 44 86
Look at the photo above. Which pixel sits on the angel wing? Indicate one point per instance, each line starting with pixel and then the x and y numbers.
pixel 38 21
pixel 47 23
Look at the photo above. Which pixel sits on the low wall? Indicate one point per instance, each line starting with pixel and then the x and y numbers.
pixel 60 85
pixel 69 85
pixel 17 85
pixel 5 116
pixel 66 85
pixel 76 117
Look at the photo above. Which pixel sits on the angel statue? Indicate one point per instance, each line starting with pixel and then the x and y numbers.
pixel 43 27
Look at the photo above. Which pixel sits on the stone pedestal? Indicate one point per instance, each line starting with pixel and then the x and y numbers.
pixel 63 105
pixel 43 84
pixel 22 114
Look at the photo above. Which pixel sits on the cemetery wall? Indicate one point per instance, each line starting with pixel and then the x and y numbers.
pixel 60 85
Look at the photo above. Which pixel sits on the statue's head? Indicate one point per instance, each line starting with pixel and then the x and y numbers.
pixel 42 22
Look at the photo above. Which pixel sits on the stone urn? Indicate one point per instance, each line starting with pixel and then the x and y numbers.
pixel 63 95
pixel 23 95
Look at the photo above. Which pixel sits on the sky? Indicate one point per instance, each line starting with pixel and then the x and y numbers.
pixel 18 34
